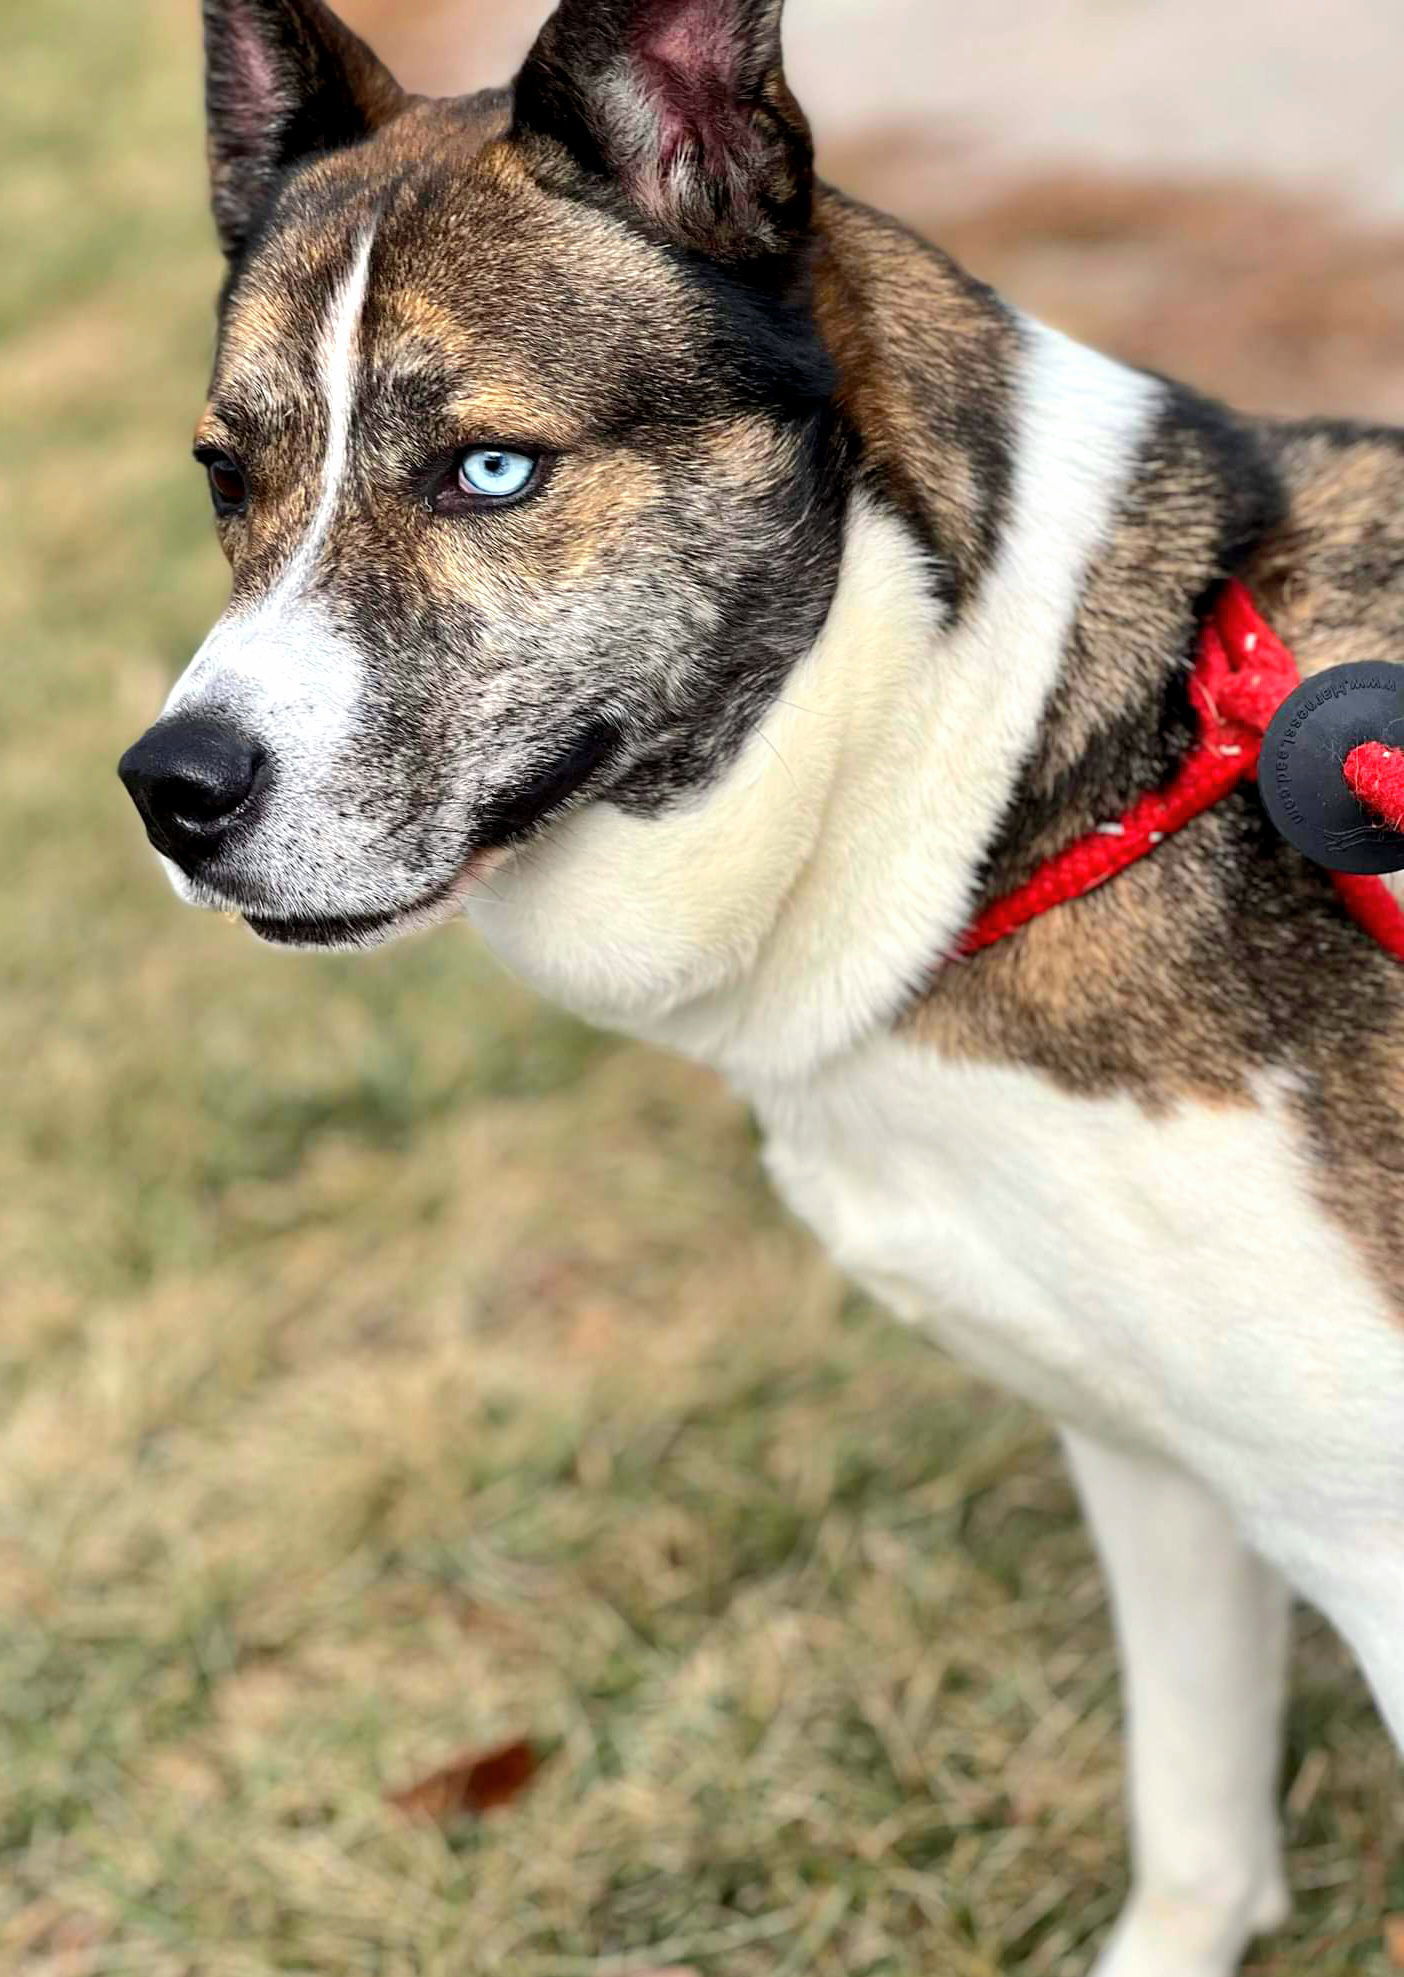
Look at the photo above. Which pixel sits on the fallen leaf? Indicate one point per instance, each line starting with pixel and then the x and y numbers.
pixel 1394 1940
pixel 477 1782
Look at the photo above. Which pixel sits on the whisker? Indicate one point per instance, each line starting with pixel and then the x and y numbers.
pixel 778 756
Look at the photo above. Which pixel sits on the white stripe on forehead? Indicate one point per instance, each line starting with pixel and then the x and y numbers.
pixel 280 660
pixel 338 350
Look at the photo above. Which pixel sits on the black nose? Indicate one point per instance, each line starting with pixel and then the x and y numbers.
pixel 190 779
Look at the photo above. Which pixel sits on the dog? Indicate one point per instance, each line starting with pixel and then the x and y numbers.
pixel 703 585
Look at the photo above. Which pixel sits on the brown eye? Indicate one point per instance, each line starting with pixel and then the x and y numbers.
pixel 228 486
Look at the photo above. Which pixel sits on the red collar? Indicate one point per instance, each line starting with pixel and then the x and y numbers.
pixel 1241 676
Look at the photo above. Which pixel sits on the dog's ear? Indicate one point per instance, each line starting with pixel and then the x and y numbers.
pixel 284 80
pixel 682 104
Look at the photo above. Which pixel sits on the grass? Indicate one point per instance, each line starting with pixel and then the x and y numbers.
pixel 389 1367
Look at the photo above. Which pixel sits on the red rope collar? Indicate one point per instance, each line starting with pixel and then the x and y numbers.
pixel 1241 677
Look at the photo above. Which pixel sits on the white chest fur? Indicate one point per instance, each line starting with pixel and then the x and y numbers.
pixel 1166 1280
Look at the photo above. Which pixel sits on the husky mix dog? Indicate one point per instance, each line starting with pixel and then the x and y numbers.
pixel 621 516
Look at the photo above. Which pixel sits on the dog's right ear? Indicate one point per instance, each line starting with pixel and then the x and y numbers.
pixel 284 80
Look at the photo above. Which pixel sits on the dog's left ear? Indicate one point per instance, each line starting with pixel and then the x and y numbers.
pixel 284 80
pixel 684 106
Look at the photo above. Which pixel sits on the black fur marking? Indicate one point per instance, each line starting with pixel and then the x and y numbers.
pixel 514 814
pixel 764 339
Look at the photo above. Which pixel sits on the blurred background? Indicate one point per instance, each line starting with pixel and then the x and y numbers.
pixel 391 1371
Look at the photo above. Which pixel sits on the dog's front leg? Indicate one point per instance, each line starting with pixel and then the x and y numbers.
pixel 1201 1623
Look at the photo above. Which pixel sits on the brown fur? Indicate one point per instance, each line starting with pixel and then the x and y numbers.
pixel 926 357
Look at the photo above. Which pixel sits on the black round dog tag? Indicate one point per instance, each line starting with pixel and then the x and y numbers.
pixel 1301 768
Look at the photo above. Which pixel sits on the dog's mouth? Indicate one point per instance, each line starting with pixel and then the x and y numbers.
pixel 333 931
pixel 512 820
pixel 365 930
pixel 360 930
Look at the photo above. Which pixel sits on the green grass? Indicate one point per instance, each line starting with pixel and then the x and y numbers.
pixel 388 1367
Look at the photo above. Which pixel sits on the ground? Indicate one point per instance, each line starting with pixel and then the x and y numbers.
pixel 390 1368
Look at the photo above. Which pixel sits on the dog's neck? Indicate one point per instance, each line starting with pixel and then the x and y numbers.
pixel 794 909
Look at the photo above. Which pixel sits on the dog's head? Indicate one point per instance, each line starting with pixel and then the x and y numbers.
pixel 522 449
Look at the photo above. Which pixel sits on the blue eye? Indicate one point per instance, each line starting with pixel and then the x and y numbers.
pixel 495 472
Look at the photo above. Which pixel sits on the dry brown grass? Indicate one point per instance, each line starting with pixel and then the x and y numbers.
pixel 390 1369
